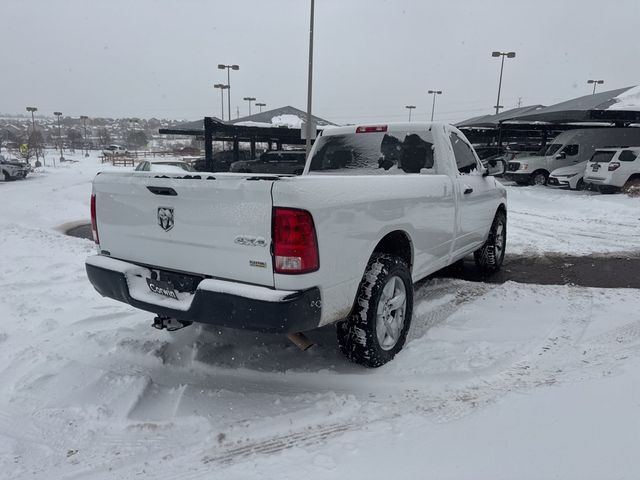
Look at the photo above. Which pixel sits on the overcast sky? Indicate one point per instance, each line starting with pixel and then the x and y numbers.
pixel 158 58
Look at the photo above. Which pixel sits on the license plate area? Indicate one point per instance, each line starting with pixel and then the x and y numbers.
pixel 163 288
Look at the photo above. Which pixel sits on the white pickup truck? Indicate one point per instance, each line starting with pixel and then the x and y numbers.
pixel 376 209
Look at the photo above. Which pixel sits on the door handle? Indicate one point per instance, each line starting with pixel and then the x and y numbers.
pixel 467 189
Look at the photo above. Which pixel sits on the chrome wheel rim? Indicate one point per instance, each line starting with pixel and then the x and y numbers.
pixel 539 179
pixel 392 307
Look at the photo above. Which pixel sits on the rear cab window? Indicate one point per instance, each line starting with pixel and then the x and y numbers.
pixel 375 153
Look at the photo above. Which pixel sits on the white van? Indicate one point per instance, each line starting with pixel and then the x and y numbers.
pixel 614 169
pixel 567 149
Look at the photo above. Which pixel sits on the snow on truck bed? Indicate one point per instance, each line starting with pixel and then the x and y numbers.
pixel 496 381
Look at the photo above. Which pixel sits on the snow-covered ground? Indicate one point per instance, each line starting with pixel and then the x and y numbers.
pixel 496 381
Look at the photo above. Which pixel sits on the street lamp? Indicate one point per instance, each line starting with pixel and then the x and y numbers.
pixel 261 105
pixel 33 134
pixel 222 66
pixel 410 107
pixel 595 82
pixel 501 54
pixel 433 105
pixel 249 99
pixel 58 115
pixel 84 119
pixel 308 125
pixel 222 88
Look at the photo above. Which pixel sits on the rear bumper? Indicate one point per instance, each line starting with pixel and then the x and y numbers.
pixel 217 302
pixel 599 181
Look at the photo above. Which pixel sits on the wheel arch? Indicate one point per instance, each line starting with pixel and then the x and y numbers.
pixel 398 243
pixel 633 176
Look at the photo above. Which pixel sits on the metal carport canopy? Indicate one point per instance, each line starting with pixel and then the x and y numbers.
pixel 600 107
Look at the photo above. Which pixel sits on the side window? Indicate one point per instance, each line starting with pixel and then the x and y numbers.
pixel 465 159
pixel 627 156
pixel 571 150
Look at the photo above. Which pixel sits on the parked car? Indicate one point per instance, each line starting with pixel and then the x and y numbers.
pixel 275 161
pixel 221 161
pixel 115 150
pixel 570 177
pixel 164 166
pixel 13 169
pixel 568 148
pixel 376 209
pixel 612 170
pixel 484 152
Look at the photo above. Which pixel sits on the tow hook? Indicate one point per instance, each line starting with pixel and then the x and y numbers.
pixel 171 324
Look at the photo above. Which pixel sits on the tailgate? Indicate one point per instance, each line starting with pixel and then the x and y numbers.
pixel 217 227
pixel 597 170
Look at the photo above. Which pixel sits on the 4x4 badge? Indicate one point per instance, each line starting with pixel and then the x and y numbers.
pixel 165 218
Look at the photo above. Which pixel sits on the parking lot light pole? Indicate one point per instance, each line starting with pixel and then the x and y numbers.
pixel 58 115
pixel 433 104
pixel 222 88
pixel 501 54
pixel 33 130
pixel 249 99
pixel 309 83
pixel 595 82
pixel 260 105
pixel 84 119
pixel 410 107
pixel 222 66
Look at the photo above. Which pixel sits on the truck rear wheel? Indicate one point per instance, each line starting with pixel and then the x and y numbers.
pixel 490 256
pixel 377 328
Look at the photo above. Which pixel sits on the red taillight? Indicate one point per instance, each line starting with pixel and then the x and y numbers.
pixel 613 166
pixel 94 223
pixel 371 128
pixel 295 247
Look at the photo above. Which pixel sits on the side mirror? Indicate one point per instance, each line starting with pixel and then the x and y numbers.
pixel 494 168
pixel 561 156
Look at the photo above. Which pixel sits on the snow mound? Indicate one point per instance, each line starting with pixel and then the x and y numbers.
pixel 629 100
pixel 287 120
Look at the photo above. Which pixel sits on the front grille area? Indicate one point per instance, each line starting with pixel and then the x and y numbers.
pixel 513 166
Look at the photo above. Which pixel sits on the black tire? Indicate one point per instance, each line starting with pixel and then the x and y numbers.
pixel 632 187
pixel 539 177
pixel 490 256
pixel 358 336
pixel 581 185
pixel 7 177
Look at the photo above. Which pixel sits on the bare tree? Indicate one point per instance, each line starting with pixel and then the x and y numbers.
pixel 104 137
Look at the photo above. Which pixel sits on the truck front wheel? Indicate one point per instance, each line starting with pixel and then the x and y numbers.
pixel 377 328
pixel 539 178
pixel 490 256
